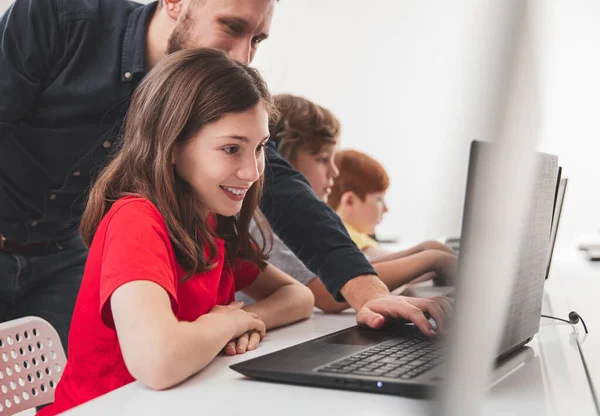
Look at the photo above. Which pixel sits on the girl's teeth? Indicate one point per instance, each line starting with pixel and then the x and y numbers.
pixel 235 191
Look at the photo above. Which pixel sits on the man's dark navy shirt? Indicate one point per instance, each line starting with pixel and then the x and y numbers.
pixel 67 71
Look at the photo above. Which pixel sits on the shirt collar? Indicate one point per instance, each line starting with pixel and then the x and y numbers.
pixel 351 229
pixel 133 57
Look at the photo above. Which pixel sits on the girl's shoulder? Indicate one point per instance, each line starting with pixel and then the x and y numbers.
pixel 133 211
pixel 133 203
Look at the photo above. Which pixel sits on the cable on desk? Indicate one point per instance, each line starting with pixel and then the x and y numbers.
pixel 574 319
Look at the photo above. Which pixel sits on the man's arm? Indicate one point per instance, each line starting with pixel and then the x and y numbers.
pixel 311 229
pixel 28 40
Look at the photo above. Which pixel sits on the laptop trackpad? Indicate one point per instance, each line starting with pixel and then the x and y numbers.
pixel 358 336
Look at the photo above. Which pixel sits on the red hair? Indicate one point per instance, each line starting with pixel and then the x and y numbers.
pixel 359 173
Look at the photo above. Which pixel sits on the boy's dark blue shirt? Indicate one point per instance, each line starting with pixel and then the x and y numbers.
pixel 67 71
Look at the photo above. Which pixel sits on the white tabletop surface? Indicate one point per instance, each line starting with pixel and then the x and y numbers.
pixel 546 378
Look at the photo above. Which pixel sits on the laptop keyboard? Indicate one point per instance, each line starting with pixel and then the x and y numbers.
pixel 401 359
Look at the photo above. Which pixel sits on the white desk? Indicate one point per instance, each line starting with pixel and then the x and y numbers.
pixel 575 284
pixel 548 376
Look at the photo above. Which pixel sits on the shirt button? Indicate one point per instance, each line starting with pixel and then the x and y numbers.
pixel 127 75
pixel 76 173
pixel 52 197
pixel 106 144
pixel 33 223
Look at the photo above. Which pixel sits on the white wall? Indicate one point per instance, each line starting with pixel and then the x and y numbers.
pixel 410 80
pixel 411 83
pixel 570 70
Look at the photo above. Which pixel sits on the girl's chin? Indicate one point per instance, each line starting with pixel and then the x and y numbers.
pixel 227 212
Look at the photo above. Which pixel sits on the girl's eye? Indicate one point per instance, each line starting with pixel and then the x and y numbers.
pixel 231 149
pixel 260 148
pixel 323 160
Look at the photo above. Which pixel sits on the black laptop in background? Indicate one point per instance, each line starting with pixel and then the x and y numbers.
pixel 399 359
pixel 558 206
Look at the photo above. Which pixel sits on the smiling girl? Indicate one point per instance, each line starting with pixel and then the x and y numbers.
pixel 167 224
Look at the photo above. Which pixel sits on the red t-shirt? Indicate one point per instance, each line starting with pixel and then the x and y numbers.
pixel 132 243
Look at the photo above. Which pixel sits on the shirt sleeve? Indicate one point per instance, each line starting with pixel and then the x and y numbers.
pixel 244 273
pixel 285 260
pixel 282 257
pixel 136 247
pixel 29 38
pixel 309 227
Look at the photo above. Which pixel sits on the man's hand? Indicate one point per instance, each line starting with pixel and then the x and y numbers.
pixel 417 310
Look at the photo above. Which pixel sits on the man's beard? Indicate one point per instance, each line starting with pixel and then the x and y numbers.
pixel 181 33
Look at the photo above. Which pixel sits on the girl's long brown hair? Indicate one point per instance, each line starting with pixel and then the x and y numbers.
pixel 184 92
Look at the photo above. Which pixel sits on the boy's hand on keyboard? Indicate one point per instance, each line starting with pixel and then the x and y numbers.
pixel 446 265
pixel 416 310
pixel 436 245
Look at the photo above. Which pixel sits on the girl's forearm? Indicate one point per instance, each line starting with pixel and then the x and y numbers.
pixel 289 303
pixel 188 349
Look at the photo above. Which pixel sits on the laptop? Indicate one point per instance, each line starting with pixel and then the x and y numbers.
pixel 558 205
pixel 399 359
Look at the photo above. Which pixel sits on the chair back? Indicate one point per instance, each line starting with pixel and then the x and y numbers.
pixel 32 360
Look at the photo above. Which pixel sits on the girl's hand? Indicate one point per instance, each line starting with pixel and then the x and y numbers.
pixel 243 322
pixel 247 342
